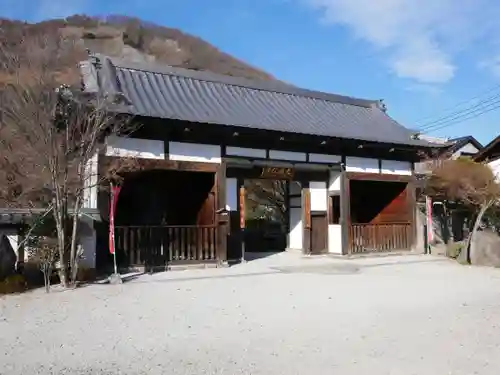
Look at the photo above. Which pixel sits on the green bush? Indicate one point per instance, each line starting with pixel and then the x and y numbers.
pixel 13 284
pixel 453 250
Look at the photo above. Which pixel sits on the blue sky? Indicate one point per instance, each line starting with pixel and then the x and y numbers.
pixel 423 57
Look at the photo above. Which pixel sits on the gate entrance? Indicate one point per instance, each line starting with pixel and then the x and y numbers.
pixel 276 206
pixel 266 215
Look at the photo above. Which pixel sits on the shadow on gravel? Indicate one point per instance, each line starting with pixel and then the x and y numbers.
pixel 125 279
pixel 323 269
pixel 173 280
pixel 406 263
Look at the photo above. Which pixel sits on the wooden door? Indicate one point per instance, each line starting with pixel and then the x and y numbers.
pixel 319 232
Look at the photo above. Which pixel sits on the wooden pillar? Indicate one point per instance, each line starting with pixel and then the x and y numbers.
pixel 222 217
pixel 411 200
pixel 345 209
pixel 306 217
pixel 20 249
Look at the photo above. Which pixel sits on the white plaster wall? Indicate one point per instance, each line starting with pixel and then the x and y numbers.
pixel 13 239
pixel 90 183
pixel 318 195
pixel 495 167
pixel 323 158
pixel 335 230
pixel 364 165
pixel 295 211
pixel 335 180
pixel 287 155
pixel 335 238
pixel 231 194
pixel 14 242
pixel 247 152
pixel 296 230
pixel 396 167
pixel 134 147
pixel 469 148
pixel 194 152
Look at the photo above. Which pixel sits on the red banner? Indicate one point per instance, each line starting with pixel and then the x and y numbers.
pixel 430 231
pixel 115 191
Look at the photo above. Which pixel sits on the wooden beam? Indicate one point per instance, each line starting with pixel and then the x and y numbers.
pixel 174 165
pixel 379 177
pixel 345 212
pixel 411 197
pixel 306 217
pixel 222 216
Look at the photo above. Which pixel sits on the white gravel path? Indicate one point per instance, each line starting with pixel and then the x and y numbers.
pixel 400 315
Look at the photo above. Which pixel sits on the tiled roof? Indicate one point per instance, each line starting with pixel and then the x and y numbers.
pixel 204 97
pixel 457 143
pixel 489 152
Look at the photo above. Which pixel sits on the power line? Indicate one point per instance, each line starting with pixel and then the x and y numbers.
pixel 458 114
pixel 494 88
pixel 470 116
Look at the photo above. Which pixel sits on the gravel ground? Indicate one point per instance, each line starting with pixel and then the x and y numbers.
pixel 278 315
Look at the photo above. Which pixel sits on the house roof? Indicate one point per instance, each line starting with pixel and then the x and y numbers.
pixel 489 152
pixel 456 144
pixel 205 97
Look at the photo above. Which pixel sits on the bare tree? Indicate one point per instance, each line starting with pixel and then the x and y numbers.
pixel 473 184
pixel 45 254
pixel 49 132
pixel 270 194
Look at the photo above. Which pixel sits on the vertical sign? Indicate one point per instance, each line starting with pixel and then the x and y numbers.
pixel 428 206
pixel 115 191
pixel 242 207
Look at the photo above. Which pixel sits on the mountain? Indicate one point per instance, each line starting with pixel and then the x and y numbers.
pixel 136 40
pixel 130 39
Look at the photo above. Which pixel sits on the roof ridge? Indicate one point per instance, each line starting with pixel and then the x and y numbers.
pixel 261 85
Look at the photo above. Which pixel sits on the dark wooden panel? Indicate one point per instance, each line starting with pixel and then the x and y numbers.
pixel 306 217
pixel 234 252
pixel 398 210
pixel 378 177
pixel 379 201
pixel 206 214
pixel 319 232
pixel 334 209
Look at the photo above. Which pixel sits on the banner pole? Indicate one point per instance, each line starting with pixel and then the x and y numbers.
pixel 115 278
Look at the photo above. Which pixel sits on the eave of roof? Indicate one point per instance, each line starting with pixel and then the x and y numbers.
pixel 486 151
pixel 457 143
pixel 204 97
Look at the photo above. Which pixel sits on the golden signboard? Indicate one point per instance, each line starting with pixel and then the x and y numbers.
pixel 280 173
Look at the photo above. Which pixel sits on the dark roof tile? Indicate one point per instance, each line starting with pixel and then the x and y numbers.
pixel 205 97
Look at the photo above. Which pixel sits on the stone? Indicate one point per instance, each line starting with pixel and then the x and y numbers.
pixel 486 249
pixel 115 279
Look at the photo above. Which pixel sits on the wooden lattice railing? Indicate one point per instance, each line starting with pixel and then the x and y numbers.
pixel 364 238
pixel 158 245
